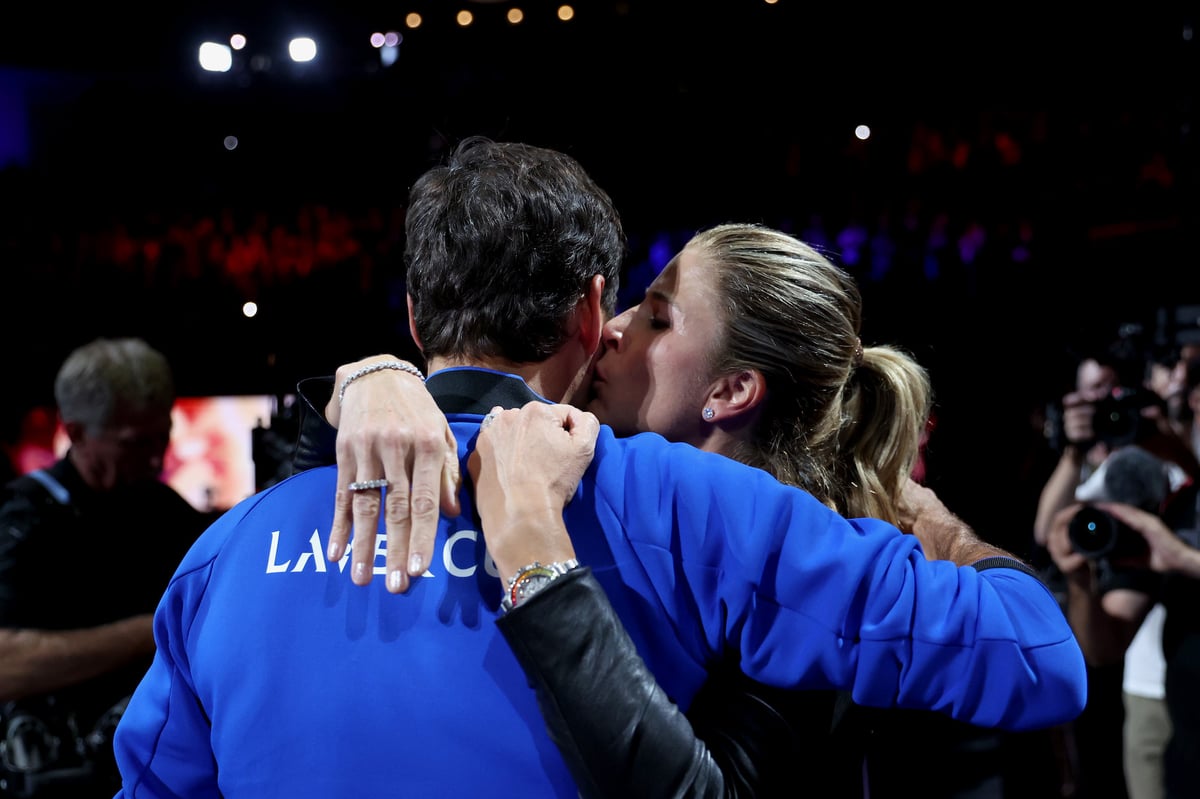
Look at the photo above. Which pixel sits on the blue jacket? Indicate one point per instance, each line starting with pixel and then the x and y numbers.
pixel 277 677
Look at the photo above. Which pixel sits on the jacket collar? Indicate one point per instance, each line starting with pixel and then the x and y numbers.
pixel 469 389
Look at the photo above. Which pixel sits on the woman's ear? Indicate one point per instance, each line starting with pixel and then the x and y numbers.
pixel 735 395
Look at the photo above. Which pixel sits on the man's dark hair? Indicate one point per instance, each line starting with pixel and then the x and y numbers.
pixel 502 241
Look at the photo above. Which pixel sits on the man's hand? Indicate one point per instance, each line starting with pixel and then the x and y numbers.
pixel 389 427
pixel 943 535
pixel 1075 567
pixel 1079 411
pixel 526 467
pixel 1168 552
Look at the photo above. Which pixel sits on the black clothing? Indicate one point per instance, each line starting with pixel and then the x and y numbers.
pixel 738 739
pixel 71 558
pixel 316 438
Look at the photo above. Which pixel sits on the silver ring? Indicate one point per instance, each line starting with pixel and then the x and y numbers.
pixel 488 419
pixel 366 485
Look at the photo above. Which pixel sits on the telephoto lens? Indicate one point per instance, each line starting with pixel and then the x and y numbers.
pixel 1097 534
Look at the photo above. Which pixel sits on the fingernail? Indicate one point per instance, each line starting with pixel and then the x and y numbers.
pixel 334 552
pixel 360 571
pixel 414 564
pixel 396 580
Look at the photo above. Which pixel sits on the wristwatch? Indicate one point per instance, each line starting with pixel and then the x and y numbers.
pixel 530 579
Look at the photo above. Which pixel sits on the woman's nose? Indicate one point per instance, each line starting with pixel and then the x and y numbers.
pixel 614 329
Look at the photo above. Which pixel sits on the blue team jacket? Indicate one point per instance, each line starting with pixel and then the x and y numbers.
pixel 275 676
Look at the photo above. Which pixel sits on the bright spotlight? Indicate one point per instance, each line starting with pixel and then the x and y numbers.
pixel 302 48
pixel 215 57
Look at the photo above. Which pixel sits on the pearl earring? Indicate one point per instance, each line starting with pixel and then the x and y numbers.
pixel 708 414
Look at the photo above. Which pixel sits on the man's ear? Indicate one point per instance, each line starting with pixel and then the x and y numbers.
pixel 75 431
pixel 734 395
pixel 592 315
pixel 412 326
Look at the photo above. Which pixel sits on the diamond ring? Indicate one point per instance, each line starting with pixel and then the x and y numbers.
pixel 366 485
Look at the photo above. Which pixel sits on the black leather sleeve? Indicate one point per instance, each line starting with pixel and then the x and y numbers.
pixel 622 736
pixel 316 438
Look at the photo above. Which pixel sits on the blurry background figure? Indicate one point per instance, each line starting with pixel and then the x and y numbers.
pixel 87 546
pixel 1147 724
pixel 223 448
pixel 1124 396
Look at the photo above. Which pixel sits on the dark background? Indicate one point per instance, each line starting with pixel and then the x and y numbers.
pixel 1077 129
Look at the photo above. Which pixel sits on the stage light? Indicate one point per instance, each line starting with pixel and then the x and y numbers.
pixel 302 48
pixel 215 57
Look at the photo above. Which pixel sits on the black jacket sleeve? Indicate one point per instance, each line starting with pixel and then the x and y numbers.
pixel 622 736
pixel 316 438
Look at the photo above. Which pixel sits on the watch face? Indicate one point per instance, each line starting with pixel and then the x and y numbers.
pixel 533 578
pixel 531 585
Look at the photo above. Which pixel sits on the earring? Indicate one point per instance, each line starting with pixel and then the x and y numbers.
pixel 708 414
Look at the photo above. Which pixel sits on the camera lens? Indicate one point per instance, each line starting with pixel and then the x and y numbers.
pixel 1093 532
pixel 1098 534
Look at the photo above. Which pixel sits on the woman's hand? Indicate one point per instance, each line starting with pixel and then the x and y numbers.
pixel 390 428
pixel 526 467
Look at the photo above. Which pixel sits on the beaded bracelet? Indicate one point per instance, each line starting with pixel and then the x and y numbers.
pixel 399 366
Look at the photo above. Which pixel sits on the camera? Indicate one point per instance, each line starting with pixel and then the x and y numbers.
pixel 1097 534
pixel 1118 418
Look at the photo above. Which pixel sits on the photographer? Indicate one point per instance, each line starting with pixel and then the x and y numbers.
pixel 1115 403
pixel 87 546
pixel 1105 621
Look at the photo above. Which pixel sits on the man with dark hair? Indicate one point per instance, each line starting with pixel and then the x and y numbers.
pixel 87 547
pixel 275 676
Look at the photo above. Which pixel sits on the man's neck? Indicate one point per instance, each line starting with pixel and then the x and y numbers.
pixel 552 378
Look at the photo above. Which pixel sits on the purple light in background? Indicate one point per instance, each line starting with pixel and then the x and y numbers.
pixel 19 90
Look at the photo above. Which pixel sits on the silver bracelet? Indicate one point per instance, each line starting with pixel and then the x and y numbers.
pixel 399 366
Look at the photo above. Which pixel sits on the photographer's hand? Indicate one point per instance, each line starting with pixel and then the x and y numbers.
pixel 1168 552
pixel 1079 411
pixel 1075 567
pixel 1078 439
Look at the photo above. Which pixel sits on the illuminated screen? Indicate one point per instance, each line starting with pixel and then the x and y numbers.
pixel 210 459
